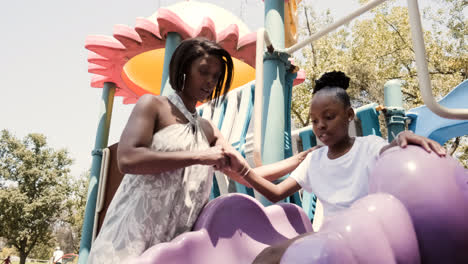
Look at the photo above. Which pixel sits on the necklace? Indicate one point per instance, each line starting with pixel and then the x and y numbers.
pixel 179 103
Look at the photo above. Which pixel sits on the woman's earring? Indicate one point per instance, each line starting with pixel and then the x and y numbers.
pixel 183 82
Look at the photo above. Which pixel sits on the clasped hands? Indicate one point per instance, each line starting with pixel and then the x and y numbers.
pixel 227 160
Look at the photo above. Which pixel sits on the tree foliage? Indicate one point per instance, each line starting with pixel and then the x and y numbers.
pixel 34 185
pixel 72 217
pixel 377 48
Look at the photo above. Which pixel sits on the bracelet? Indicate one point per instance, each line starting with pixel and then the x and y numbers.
pixel 246 173
pixel 243 170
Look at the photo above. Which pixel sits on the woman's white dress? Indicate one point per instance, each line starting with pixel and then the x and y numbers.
pixel 150 209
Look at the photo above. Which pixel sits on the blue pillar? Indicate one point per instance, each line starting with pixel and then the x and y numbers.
pixel 274 109
pixel 172 41
pixel 289 81
pixel 102 137
pixel 394 111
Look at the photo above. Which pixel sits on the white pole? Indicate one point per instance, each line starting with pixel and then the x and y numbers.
pixel 262 34
pixel 334 25
pixel 421 66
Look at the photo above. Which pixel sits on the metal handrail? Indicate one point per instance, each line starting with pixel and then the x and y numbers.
pixel 334 26
pixel 421 66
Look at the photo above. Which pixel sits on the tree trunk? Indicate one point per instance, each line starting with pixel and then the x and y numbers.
pixel 23 257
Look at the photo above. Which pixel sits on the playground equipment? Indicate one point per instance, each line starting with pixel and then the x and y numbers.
pixel 375 229
pixel 417 214
pixel 117 62
pixel 225 233
pixel 426 123
pixel 435 192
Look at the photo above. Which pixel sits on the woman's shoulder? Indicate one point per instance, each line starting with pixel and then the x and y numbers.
pixel 153 103
pixel 151 98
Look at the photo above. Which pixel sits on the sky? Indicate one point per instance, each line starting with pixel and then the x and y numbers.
pixel 45 85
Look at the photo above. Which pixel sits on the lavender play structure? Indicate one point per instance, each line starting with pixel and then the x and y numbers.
pixel 417 214
pixel 417 211
pixel 233 228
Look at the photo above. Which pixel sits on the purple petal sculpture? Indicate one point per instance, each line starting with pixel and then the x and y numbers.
pixel 418 213
pixel 376 229
pixel 426 221
pixel 233 228
pixel 435 192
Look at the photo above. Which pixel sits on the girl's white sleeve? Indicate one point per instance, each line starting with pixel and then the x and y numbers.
pixel 376 144
pixel 301 173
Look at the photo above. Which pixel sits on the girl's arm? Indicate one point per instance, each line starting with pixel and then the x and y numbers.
pixel 273 192
pixel 278 169
pixel 218 140
pixel 408 137
pixel 270 172
pixel 134 153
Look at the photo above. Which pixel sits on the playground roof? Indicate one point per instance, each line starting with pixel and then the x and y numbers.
pixel 133 57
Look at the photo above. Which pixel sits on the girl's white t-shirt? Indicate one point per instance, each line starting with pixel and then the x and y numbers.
pixel 339 182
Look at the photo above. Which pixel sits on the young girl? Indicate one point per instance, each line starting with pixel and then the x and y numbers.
pixel 169 154
pixel 338 172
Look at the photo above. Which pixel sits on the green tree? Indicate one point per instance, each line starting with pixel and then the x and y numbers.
pixel 43 250
pixel 34 183
pixel 378 48
pixel 72 219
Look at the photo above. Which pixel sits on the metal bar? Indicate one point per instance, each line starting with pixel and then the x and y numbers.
pixel 421 66
pixel 334 25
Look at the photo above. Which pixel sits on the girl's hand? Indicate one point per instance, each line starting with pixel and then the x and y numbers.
pixel 238 167
pixel 408 137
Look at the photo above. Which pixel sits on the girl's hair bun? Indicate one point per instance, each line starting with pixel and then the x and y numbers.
pixel 332 79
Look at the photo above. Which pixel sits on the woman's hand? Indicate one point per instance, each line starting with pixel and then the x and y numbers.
pixel 302 155
pixel 214 156
pixel 408 137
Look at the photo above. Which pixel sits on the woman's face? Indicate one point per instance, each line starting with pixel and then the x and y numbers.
pixel 202 77
pixel 330 118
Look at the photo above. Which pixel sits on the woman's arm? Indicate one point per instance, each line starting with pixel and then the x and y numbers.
pixel 134 153
pixel 408 137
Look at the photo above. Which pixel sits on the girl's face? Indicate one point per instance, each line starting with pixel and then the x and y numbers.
pixel 202 77
pixel 330 118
